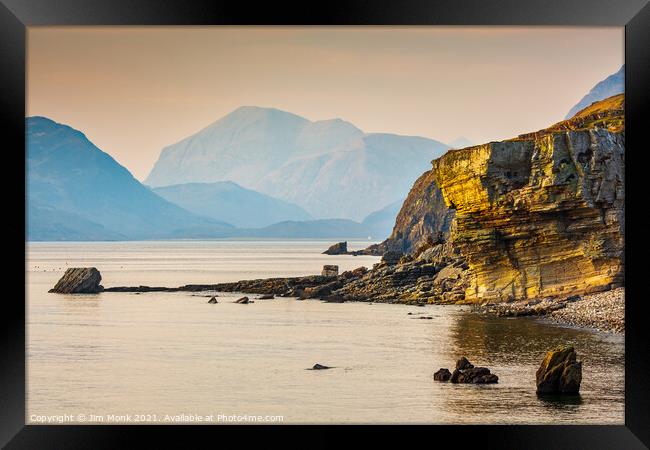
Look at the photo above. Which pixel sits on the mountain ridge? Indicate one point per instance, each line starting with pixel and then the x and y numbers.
pixel 312 164
pixel 68 177
pixel 231 203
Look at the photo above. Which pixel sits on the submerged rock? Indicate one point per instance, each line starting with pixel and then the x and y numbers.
pixel 266 297
pixel 560 372
pixel 243 300
pixel 442 375
pixel 79 280
pixel 320 367
pixel 340 248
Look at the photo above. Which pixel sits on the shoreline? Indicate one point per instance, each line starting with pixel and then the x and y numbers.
pixel 601 311
pixel 411 283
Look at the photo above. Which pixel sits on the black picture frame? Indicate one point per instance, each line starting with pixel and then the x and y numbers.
pixel 16 15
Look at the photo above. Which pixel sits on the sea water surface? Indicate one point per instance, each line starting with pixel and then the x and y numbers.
pixel 162 357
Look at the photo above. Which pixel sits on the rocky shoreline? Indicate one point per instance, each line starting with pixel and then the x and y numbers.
pixel 435 276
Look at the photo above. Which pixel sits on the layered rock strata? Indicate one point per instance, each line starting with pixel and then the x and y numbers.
pixel 541 215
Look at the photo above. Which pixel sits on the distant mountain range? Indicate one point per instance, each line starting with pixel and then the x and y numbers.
pixel 75 191
pixel 612 85
pixel 231 203
pixel 330 168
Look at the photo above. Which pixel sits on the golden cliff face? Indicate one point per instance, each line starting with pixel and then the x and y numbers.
pixel 543 214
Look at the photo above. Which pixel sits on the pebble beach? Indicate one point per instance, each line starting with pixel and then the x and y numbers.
pixel 603 311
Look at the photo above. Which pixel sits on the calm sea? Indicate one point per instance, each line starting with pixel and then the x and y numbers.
pixel 168 357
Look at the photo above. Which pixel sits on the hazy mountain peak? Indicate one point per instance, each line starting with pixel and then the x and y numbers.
pixel 40 124
pixel 261 112
pixel 330 167
pixel 610 86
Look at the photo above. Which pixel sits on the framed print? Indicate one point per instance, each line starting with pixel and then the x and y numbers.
pixel 410 219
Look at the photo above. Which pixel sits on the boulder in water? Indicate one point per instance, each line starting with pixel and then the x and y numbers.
pixel 340 248
pixel 465 372
pixel 79 280
pixel 560 372
pixel 442 375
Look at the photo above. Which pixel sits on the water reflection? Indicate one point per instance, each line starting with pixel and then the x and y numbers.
pixel 506 341
pixel 513 349
pixel 560 401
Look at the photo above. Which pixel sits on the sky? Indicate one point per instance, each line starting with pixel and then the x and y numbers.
pixel 135 90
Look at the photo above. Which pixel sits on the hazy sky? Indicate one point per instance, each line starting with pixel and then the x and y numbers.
pixel 134 90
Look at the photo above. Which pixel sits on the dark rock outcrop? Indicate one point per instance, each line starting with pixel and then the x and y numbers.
pixel 79 280
pixel 276 286
pixel 465 372
pixel 243 300
pixel 320 291
pixel 442 375
pixel 437 275
pixel 340 248
pixel 560 372
pixel 213 300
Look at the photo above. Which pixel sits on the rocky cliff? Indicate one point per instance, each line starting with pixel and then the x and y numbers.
pixel 423 220
pixel 540 215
